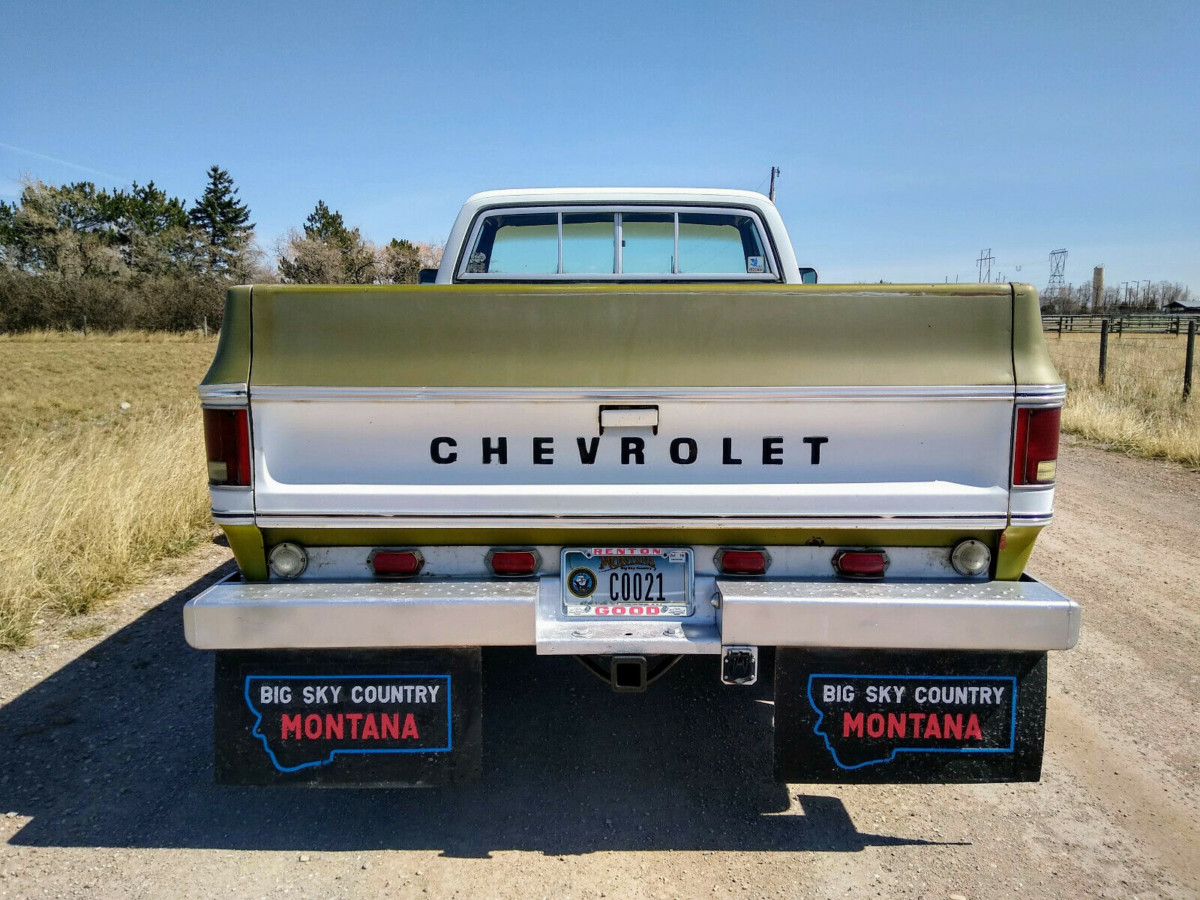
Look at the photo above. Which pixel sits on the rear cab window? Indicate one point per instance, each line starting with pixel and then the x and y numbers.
pixel 579 243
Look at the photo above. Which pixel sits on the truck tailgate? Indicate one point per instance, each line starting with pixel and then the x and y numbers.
pixel 782 402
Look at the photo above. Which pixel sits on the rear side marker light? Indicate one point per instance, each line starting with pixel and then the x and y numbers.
pixel 227 443
pixel 513 563
pixel 396 563
pixel 738 561
pixel 971 558
pixel 1035 445
pixel 288 560
pixel 860 563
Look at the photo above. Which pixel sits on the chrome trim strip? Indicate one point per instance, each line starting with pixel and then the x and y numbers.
pixel 556 522
pixel 1041 394
pixel 223 519
pixel 228 500
pixel 1040 519
pixel 218 395
pixel 236 615
pixel 870 392
pixel 995 615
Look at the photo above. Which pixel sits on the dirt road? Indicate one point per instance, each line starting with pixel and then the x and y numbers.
pixel 105 770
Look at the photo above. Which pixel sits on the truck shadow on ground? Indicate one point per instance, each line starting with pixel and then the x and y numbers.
pixel 114 750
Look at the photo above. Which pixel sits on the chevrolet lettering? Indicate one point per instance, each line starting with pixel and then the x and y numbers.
pixel 680 451
pixel 627 425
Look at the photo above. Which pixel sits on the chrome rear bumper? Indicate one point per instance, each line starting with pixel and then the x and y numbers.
pixel 996 615
pixel 999 615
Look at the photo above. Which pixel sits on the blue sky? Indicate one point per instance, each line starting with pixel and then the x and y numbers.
pixel 910 135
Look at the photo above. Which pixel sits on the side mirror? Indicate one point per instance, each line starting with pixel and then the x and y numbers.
pixel 808 276
pixel 427 276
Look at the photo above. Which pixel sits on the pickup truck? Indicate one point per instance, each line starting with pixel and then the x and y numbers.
pixel 625 425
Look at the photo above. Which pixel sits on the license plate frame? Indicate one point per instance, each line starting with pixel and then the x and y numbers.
pixel 590 575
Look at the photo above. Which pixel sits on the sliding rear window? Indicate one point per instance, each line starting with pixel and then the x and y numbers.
pixel 719 245
pixel 521 244
pixel 593 244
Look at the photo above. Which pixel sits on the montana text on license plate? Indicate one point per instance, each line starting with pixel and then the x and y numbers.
pixel 637 582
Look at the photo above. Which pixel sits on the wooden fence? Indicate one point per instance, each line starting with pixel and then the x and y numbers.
pixel 1132 325
pixel 1120 323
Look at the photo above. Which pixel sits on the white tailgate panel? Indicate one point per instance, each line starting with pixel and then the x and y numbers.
pixel 939 456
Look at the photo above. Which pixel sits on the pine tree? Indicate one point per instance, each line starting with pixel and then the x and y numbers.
pixel 400 262
pixel 151 230
pixel 328 252
pixel 224 221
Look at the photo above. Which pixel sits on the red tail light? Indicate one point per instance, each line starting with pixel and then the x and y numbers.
pixel 742 562
pixel 860 563
pixel 396 563
pixel 227 440
pixel 1035 445
pixel 513 563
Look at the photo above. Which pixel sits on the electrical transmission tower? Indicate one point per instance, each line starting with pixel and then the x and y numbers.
pixel 1058 265
pixel 985 265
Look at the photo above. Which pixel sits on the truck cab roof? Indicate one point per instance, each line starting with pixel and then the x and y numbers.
pixel 658 234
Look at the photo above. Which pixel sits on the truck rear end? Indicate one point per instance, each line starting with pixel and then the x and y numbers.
pixel 631 473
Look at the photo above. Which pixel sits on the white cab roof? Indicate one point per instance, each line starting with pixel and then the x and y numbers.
pixel 616 196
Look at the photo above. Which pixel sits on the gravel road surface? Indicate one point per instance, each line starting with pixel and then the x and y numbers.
pixel 106 779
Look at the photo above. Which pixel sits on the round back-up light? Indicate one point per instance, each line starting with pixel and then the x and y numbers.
pixel 396 563
pixel 860 563
pixel 513 563
pixel 971 558
pixel 288 560
pixel 742 561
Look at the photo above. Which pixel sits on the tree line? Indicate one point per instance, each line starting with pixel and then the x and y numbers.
pixel 75 256
pixel 1077 298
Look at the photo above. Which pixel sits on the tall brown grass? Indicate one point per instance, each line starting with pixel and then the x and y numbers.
pixel 1139 409
pixel 82 517
pixel 101 468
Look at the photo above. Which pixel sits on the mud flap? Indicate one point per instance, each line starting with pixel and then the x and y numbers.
pixel 408 718
pixel 881 716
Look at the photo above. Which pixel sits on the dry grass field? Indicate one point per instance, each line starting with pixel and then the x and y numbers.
pixel 93 491
pixel 1139 409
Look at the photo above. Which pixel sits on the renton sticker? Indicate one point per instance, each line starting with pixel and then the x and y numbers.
pixel 867 719
pixel 307 720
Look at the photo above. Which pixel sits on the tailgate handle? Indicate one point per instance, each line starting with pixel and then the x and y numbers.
pixel 629 417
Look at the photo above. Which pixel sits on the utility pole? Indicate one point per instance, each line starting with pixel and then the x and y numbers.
pixel 774 171
pixel 985 264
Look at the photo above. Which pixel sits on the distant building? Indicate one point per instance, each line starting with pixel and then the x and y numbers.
pixel 1183 306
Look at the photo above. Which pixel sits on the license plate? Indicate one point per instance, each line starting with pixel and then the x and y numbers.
pixel 627 582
